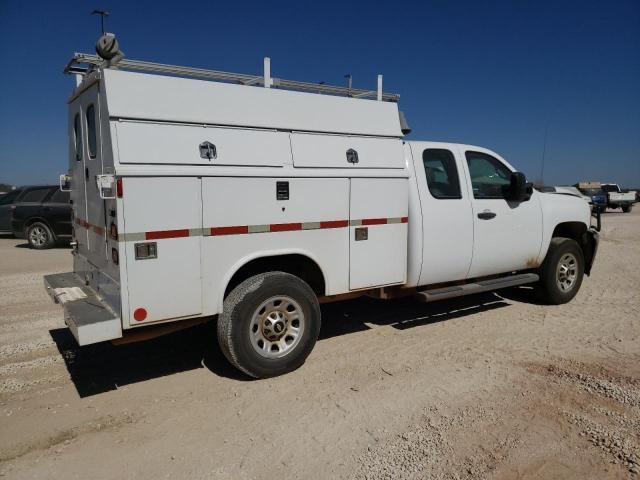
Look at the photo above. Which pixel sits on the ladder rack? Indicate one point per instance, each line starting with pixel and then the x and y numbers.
pixel 83 63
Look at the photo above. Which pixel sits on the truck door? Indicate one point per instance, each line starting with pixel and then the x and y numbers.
pixel 447 222
pixel 77 172
pixel 94 221
pixel 507 235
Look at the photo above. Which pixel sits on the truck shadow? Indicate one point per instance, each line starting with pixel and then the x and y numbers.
pixel 341 318
pixel 102 367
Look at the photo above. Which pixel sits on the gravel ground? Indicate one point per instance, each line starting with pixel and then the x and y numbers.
pixel 489 386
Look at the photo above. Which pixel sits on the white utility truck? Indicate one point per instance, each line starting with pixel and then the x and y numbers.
pixel 249 200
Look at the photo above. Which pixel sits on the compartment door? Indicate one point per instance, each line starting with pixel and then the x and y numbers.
pixel 158 143
pixel 164 214
pixel 341 151
pixel 378 232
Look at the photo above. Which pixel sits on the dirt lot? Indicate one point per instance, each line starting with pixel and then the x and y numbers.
pixel 491 386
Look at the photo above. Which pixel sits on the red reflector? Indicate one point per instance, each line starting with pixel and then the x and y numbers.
pixel 114 256
pixel 119 187
pixel 113 231
pixel 140 314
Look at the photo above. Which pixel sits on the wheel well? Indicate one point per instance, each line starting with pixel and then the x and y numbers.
pixel 295 264
pixel 572 230
pixel 578 231
pixel 30 221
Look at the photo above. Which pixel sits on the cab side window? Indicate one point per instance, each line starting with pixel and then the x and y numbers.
pixel 91 131
pixel 489 176
pixel 8 198
pixel 442 174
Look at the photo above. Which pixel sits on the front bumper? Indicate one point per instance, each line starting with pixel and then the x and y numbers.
pixel 592 240
pixel 87 316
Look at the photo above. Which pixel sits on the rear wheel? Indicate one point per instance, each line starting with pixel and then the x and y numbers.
pixel 561 272
pixel 39 236
pixel 626 208
pixel 269 324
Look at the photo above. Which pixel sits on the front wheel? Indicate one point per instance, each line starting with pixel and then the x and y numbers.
pixel 269 324
pixel 39 236
pixel 561 272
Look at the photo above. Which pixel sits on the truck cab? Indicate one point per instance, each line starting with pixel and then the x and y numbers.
pixel 283 196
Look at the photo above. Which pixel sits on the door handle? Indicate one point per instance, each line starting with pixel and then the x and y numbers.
pixel 486 215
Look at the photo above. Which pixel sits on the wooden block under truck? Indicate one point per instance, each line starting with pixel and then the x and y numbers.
pixel 250 200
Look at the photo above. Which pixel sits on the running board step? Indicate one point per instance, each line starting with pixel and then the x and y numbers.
pixel 477 287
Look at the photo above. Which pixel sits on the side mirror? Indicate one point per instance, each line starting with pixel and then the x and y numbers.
pixel 65 183
pixel 519 189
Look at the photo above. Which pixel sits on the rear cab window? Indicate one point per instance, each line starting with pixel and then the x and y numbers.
pixel 489 176
pixel 441 173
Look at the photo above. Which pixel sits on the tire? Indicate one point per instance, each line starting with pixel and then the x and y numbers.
pixel 39 236
pixel 626 208
pixel 269 324
pixel 561 272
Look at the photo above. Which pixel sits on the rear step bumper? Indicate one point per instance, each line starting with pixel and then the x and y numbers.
pixel 87 316
pixel 477 287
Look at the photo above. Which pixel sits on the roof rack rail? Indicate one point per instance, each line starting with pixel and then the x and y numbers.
pixel 83 63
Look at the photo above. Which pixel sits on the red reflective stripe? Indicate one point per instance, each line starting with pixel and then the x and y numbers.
pixel 167 234
pixel 284 227
pixel 238 230
pixel 89 226
pixel 334 224
pixel 374 221
pixel 404 219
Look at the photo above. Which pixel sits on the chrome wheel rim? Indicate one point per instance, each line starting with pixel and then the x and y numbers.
pixel 38 236
pixel 567 272
pixel 276 327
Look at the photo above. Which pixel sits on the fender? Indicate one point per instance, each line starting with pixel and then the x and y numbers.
pixel 265 254
pixel 559 209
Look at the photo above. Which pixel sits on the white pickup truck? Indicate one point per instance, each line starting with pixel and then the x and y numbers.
pixel 618 198
pixel 249 200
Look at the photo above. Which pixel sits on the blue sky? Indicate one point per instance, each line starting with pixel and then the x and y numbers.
pixel 494 74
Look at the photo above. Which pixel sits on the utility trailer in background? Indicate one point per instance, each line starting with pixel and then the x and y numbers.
pixel 202 195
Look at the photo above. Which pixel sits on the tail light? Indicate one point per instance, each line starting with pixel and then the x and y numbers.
pixel 119 187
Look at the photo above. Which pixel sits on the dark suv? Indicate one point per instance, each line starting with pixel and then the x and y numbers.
pixel 6 202
pixel 42 215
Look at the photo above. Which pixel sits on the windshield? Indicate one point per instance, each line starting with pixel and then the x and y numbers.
pixel 593 191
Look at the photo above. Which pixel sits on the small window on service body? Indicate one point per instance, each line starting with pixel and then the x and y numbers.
pixel 77 137
pixel 91 130
pixel 442 174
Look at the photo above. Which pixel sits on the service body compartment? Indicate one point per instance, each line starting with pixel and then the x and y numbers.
pixel 330 151
pixel 166 143
pixel 244 219
pixel 166 212
pixel 378 232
